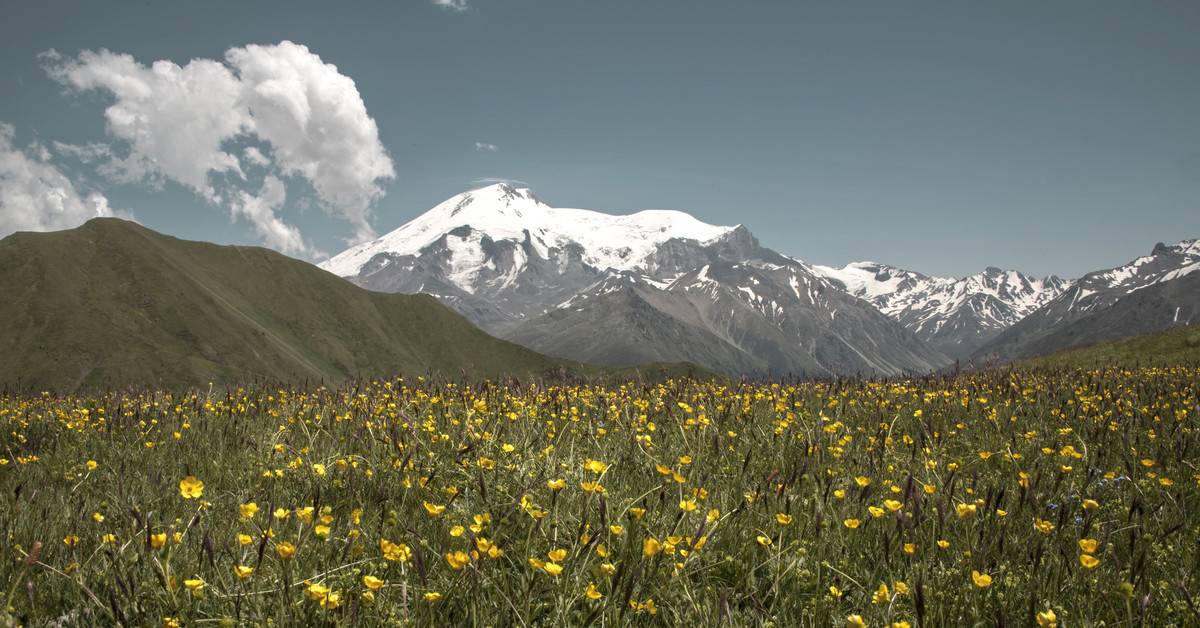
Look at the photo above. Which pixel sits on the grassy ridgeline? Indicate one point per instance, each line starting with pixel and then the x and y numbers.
pixel 112 304
pixel 1028 497
pixel 1170 348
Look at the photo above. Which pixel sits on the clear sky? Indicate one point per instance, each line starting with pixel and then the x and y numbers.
pixel 942 137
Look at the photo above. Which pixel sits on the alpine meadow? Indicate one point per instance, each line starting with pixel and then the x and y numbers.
pixel 541 314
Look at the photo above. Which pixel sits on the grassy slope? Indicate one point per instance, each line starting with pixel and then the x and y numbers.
pixel 1169 348
pixel 115 304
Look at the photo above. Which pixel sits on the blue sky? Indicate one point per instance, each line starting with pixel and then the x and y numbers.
pixel 941 137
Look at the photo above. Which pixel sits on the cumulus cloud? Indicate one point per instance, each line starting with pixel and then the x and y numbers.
pixel 261 210
pixel 178 123
pixel 457 5
pixel 37 196
pixel 488 147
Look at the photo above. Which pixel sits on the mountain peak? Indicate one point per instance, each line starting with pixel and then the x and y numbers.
pixel 501 212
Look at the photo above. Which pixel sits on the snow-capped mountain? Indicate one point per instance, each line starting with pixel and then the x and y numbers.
pixel 1151 293
pixel 672 287
pixel 500 255
pixel 956 316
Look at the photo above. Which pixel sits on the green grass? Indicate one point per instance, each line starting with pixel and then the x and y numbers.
pixel 1170 348
pixel 747 504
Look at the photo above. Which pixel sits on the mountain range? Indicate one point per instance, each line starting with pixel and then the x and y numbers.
pixel 662 285
pixel 620 289
pixel 112 304
pixel 1149 294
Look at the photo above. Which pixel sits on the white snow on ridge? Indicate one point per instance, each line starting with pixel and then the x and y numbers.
pixel 505 213
pixel 926 302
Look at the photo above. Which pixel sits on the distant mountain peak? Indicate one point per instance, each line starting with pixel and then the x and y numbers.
pixel 956 316
pixel 501 212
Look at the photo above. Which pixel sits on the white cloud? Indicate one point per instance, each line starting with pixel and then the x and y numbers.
pixel 260 209
pixel 457 5
pixel 37 196
pixel 488 147
pixel 175 119
pixel 255 156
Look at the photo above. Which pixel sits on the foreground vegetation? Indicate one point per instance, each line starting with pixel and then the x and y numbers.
pixel 1021 497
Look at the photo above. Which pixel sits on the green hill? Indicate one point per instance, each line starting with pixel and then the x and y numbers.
pixel 1170 348
pixel 113 304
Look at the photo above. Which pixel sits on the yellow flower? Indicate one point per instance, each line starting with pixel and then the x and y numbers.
pixel 910 548
pixel 901 587
pixel 762 540
pixel 194 585
pixel 333 600
pixel 553 568
pixel 881 595
pixel 592 593
pixel 876 512
pixel 893 505
pixel 713 515
pixel 321 531
pixel 248 510
pixel 1088 545
pixel 863 482
pixel 856 621
pixel 245 539
pixel 1043 526
pixel 835 592
pixel 1088 560
pixel 91 465
pixel 616 530
pixel 158 540
pixel 368 599
pixel 608 569
pixel 433 509
pixel 319 469
pixel 595 466
pixel 556 485
pixel 592 487
pixel 110 539
pixel 98 517
pixel 557 555
pixel 242 571
pixel 1047 619
pixel 685 460
pixel 650 547
pixel 783 519
pixel 372 583
pixel 433 596
pixel 282 513
pixel 663 469
pixel 286 550
pixel 852 523
pixel 190 487
pixel 71 540
pixel 966 511
pixel 457 531
pixel 687 505
pixel 457 559
pixel 981 579
pixel 1088 504
pixel 943 543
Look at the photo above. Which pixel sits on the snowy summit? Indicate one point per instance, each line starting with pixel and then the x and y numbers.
pixel 502 212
